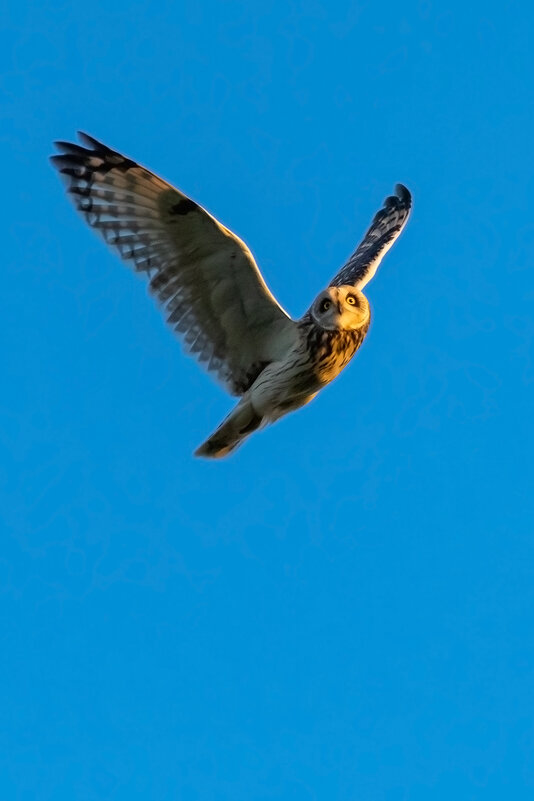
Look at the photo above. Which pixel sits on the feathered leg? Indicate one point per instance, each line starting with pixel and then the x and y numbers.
pixel 241 422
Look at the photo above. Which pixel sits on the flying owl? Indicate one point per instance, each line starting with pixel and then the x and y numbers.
pixel 214 295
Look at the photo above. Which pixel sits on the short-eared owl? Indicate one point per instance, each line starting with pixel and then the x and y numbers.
pixel 213 293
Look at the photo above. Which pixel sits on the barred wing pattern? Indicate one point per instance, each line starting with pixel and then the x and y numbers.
pixel 385 228
pixel 204 276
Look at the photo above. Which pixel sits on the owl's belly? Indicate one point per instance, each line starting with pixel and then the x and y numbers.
pixel 287 385
pixel 282 388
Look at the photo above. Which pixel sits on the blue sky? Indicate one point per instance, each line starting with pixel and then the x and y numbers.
pixel 344 609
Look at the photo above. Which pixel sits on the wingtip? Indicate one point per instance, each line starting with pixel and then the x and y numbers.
pixel 57 160
pixel 87 139
pixel 71 148
pixel 404 194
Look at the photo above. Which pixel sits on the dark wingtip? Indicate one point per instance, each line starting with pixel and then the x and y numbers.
pixel 68 149
pixel 88 140
pixel 403 194
pixel 58 161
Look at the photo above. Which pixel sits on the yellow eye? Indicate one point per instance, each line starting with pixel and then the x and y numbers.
pixel 325 305
pixel 351 299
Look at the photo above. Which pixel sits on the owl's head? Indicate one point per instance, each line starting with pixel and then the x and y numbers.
pixel 340 308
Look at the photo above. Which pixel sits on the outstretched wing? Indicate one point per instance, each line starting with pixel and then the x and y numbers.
pixel 204 276
pixel 385 228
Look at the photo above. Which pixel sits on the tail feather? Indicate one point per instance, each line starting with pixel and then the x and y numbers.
pixel 241 422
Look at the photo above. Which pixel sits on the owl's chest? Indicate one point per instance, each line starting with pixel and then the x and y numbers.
pixel 332 351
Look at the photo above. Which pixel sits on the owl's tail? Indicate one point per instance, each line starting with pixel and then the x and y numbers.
pixel 241 422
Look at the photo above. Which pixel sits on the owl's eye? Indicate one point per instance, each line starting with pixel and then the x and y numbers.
pixel 325 305
pixel 352 300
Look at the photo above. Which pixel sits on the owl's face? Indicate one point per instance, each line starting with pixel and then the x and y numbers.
pixel 340 308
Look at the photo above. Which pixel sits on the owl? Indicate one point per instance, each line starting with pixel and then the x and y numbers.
pixel 213 294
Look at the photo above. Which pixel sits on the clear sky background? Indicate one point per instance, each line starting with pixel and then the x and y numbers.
pixel 344 609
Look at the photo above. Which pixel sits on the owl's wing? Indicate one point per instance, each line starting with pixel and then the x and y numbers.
pixel 385 228
pixel 204 276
